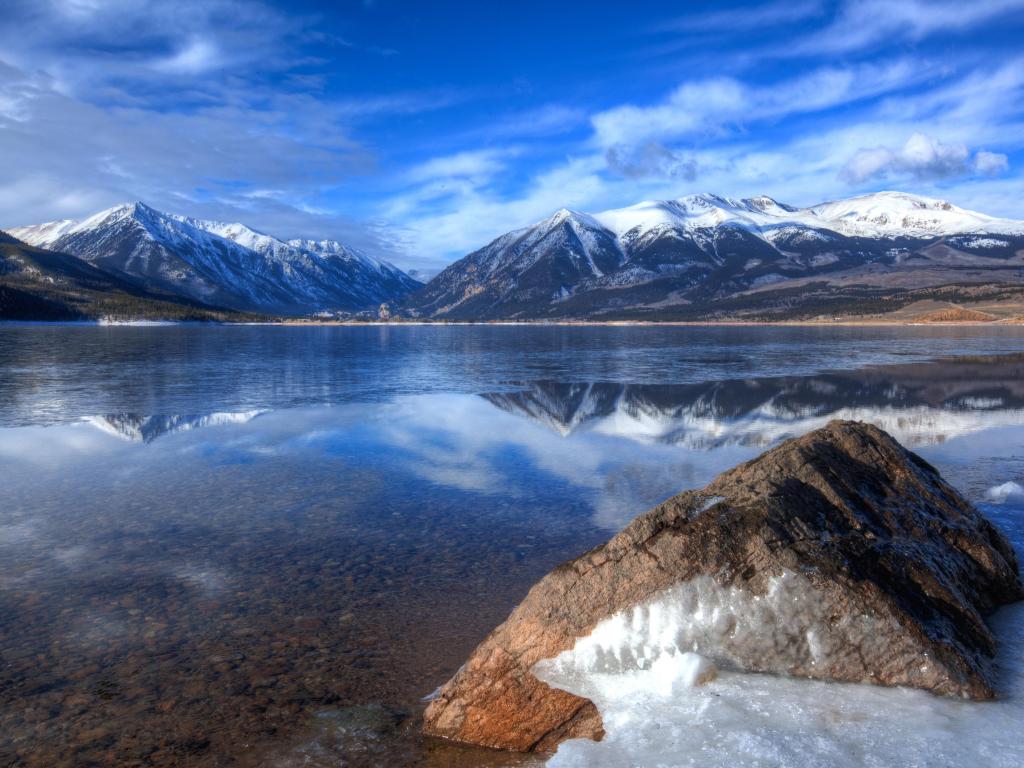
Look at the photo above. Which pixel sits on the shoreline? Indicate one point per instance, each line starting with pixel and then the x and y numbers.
pixel 304 323
pixel 530 324
pixel 659 323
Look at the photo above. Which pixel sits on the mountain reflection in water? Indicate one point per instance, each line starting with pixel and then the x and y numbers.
pixel 145 429
pixel 920 404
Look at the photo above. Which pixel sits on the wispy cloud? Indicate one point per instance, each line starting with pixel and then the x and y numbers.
pixel 723 134
pixel 299 124
pixel 195 57
pixel 862 24
pixel 209 108
pixel 734 20
pixel 477 165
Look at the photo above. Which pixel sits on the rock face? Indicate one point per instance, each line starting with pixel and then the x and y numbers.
pixel 838 555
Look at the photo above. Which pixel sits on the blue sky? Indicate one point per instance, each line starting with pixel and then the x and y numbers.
pixel 421 130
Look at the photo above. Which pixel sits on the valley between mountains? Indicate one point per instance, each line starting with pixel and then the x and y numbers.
pixel 887 255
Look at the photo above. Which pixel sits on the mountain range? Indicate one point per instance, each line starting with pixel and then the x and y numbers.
pixel 223 265
pixel 711 256
pixel 694 258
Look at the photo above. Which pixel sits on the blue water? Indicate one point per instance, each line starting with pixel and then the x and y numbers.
pixel 264 545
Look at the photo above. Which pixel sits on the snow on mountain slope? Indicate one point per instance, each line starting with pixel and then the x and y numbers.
pixel 227 264
pixel 894 214
pixel 690 213
pixel 703 248
pixel 882 214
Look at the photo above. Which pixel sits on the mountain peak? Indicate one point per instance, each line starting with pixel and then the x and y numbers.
pixel 130 208
pixel 565 214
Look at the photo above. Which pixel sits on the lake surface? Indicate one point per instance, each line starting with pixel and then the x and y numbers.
pixel 264 546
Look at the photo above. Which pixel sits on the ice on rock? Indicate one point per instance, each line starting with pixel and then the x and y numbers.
pixel 653 717
pixel 790 629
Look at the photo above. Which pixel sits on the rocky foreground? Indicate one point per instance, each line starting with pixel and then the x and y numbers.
pixel 838 555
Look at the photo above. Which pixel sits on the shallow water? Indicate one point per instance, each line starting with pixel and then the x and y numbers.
pixel 264 546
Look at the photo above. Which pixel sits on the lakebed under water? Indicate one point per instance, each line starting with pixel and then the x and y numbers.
pixel 265 546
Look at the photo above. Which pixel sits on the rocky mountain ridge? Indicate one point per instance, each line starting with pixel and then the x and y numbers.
pixel 220 264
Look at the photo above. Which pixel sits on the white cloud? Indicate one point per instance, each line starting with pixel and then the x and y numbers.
pixel 990 163
pixel 921 157
pixel 189 106
pixel 709 107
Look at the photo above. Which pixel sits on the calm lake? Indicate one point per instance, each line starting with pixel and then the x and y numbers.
pixel 248 546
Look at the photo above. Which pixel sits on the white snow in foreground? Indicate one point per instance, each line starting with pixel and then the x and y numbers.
pixel 1010 491
pixel 742 720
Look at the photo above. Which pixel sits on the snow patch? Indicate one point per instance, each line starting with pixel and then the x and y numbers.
pixel 982 242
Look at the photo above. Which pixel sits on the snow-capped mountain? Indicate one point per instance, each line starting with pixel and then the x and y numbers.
pixel 705 248
pixel 223 264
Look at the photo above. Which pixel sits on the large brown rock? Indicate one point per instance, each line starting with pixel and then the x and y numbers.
pixel 890 572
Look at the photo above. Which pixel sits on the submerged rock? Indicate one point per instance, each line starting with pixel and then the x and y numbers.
pixel 838 555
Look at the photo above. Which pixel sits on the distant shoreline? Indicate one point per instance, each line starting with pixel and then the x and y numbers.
pixel 1012 323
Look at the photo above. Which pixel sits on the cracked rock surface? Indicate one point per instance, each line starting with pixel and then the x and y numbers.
pixel 898 571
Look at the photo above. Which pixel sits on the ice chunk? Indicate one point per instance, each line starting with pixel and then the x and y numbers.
pixel 1010 491
pixel 685 670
